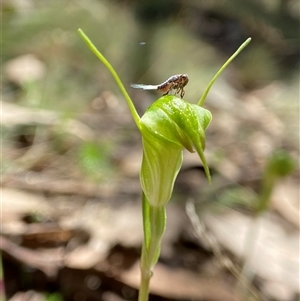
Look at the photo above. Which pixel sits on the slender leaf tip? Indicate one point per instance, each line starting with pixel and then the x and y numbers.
pixel 203 97
pixel 116 77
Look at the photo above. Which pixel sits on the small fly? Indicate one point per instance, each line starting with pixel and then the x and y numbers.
pixel 176 82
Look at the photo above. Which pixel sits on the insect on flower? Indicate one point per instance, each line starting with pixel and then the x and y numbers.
pixel 176 82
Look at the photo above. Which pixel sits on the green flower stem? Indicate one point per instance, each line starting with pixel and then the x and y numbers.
pixel 154 219
pixel 99 55
pixel 203 97
pixel 144 287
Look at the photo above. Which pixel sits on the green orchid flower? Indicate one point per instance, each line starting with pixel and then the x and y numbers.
pixel 168 126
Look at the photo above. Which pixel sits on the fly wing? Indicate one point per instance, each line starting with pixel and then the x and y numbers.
pixel 144 87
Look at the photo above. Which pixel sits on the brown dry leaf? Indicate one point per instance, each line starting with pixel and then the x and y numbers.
pixel 13 115
pixel 275 256
pixel 180 284
pixel 27 296
pixel 25 68
pixel 86 256
pixel 18 203
pixel 48 260
pixel 108 225
pixel 112 225
pixel 111 297
pixel 286 200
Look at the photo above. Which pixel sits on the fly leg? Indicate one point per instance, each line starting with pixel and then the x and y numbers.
pixel 182 92
pixel 179 89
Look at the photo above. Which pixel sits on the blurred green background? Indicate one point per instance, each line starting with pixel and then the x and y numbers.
pixel 146 42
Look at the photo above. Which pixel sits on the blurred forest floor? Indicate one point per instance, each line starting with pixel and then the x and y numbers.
pixel 70 195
